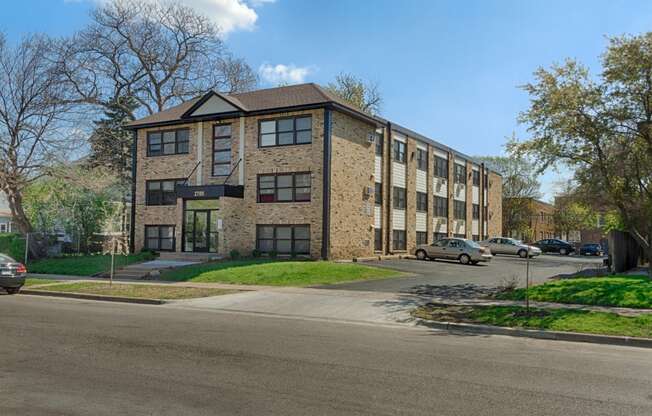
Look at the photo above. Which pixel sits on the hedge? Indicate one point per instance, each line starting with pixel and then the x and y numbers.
pixel 13 245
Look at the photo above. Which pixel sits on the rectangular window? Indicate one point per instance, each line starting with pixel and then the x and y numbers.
pixel 159 237
pixel 485 214
pixel 422 159
pixel 476 178
pixel 422 237
pixel 379 143
pixel 221 150
pixel 399 198
pixel 284 239
pixel 486 181
pixel 399 152
pixel 441 167
pixel 459 210
pixel 459 235
pixel 438 236
pixel 422 201
pixel 440 207
pixel 378 239
pixel 170 142
pixel 459 173
pixel 378 193
pixel 398 240
pixel 475 237
pixel 285 132
pixel 284 187
pixel 476 211
pixel 162 192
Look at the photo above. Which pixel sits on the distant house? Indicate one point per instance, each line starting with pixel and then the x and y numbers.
pixel 6 226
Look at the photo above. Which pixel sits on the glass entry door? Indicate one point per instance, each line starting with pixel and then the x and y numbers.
pixel 200 227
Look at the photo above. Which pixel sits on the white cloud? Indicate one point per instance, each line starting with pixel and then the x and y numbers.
pixel 284 74
pixel 229 15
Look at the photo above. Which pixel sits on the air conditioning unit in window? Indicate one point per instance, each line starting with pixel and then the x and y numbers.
pixel 371 137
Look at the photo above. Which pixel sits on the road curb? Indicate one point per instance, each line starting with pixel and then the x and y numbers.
pixel 539 334
pixel 142 301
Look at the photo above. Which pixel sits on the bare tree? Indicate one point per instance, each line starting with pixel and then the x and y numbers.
pixel 157 53
pixel 363 94
pixel 33 132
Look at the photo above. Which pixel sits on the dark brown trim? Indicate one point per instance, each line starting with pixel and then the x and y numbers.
pixel 213 151
pixel 205 98
pixel 326 185
pixel 292 238
pixel 176 142
pixel 276 188
pixel 388 159
pixel 134 170
pixel 148 181
pixel 276 132
pixel 174 236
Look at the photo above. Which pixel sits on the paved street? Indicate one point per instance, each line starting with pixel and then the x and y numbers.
pixel 70 357
pixel 443 272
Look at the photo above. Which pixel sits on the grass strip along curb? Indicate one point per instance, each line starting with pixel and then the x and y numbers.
pixel 86 296
pixel 123 292
pixel 550 323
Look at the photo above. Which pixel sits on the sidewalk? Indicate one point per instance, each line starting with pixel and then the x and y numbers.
pixel 334 304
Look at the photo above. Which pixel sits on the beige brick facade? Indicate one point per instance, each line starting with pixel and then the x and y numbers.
pixel 351 193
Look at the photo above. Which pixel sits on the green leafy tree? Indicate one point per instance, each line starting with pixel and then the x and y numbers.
pixel 362 94
pixel 520 186
pixel 600 126
pixel 572 216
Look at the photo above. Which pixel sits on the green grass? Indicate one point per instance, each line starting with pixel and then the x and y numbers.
pixel 136 291
pixel 567 320
pixel 34 282
pixel 84 265
pixel 277 273
pixel 622 291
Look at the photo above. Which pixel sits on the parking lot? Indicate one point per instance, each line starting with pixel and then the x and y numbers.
pixel 451 273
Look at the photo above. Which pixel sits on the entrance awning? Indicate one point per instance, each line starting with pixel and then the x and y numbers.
pixel 209 191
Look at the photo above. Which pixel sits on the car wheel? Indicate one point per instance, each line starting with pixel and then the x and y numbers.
pixel 563 251
pixel 12 290
pixel 465 259
pixel 522 254
pixel 421 255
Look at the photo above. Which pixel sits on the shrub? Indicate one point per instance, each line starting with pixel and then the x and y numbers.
pixel 273 254
pixel 235 254
pixel 13 245
pixel 255 253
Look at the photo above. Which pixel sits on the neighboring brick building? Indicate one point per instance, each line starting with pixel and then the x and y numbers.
pixel 297 170
pixel 541 221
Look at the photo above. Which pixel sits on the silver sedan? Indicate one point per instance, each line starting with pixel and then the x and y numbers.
pixel 461 249
pixel 504 245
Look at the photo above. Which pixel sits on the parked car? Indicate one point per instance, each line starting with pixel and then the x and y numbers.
pixel 461 249
pixel 12 274
pixel 591 249
pixel 554 245
pixel 504 245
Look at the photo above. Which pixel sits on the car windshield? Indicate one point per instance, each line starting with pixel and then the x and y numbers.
pixel 592 245
pixel 472 243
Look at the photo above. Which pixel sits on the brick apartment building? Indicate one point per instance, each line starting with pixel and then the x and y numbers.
pixel 297 170
pixel 541 221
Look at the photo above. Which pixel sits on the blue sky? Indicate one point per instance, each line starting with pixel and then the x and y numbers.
pixel 447 69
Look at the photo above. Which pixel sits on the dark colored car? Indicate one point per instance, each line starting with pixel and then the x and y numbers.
pixel 554 245
pixel 12 274
pixel 592 249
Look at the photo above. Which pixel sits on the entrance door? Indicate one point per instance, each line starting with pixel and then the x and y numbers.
pixel 201 230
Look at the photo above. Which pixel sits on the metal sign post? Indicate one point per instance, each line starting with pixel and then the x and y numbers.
pixel 113 243
pixel 26 247
pixel 527 282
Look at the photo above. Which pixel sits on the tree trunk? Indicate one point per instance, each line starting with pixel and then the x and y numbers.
pixel 646 244
pixel 15 200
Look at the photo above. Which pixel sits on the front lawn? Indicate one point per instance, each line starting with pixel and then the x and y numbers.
pixel 277 272
pixel 136 291
pixel 569 320
pixel 84 265
pixel 622 291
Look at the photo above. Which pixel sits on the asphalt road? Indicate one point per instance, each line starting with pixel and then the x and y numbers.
pixel 442 272
pixel 69 357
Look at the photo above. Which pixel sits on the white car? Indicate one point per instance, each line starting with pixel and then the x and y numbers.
pixel 461 249
pixel 504 245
